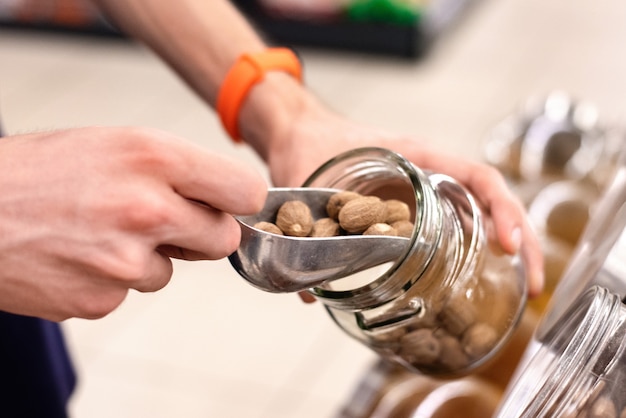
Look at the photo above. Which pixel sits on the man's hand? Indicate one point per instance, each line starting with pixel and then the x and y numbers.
pixel 87 214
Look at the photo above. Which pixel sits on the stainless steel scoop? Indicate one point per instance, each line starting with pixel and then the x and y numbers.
pixel 277 263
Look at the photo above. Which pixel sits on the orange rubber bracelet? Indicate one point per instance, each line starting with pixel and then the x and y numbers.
pixel 248 70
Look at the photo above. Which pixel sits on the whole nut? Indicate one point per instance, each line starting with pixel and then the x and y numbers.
pixel 479 339
pixel 403 228
pixel 325 227
pixel 268 227
pixel 337 201
pixel 381 229
pixel 397 210
pixel 359 214
pixel 420 347
pixel 451 355
pixel 294 218
pixel 457 315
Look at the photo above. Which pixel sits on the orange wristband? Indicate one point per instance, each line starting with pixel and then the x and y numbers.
pixel 248 70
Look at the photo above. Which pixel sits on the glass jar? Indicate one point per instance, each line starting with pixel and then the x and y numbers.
pixel 422 396
pixel 406 395
pixel 388 392
pixel 562 209
pixel 500 370
pixel 453 299
pixel 577 370
pixel 598 259
pixel 555 137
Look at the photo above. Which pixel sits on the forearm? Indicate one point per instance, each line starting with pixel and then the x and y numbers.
pixel 200 39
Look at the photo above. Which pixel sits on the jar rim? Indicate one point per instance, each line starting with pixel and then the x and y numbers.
pixel 384 288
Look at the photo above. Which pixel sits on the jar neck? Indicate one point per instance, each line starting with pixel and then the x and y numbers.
pixel 438 232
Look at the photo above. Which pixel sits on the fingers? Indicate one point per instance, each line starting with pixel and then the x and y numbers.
pixel 511 224
pixel 188 195
pixel 531 252
pixel 201 232
pixel 193 172
pixel 513 229
pixel 158 272
pixel 218 181
pixel 515 233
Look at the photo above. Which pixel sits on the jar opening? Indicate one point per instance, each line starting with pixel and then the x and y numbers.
pixel 380 172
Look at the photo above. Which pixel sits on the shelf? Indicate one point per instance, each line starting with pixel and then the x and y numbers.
pixel 403 40
pixel 409 41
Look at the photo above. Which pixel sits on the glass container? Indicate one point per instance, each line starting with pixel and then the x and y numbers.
pixel 552 138
pixel 578 369
pixel 598 258
pixel 392 392
pixel 453 299
pixel 560 214
pixel 562 209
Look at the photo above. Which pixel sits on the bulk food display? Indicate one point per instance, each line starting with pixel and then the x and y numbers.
pixel 575 364
pixel 558 157
pixel 443 306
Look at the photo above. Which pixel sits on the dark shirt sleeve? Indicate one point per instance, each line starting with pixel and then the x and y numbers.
pixel 36 375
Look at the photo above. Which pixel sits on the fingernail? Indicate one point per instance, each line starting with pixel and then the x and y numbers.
pixel 537 280
pixel 516 239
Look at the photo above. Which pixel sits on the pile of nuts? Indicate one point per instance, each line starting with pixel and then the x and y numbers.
pixel 348 213
pixel 442 341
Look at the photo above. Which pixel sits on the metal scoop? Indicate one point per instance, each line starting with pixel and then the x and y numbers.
pixel 278 263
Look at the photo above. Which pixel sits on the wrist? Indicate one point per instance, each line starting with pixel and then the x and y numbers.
pixel 249 70
pixel 268 114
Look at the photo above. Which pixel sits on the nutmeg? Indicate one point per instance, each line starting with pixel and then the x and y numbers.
pixel 403 228
pixel 381 229
pixel 451 354
pixel 479 339
pixel 397 210
pixel 457 315
pixel 359 214
pixel 268 227
pixel 325 227
pixel 420 347
pixel 294 218
pixel 337 201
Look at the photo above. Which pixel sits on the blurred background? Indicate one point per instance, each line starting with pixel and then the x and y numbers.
pixel 209 344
